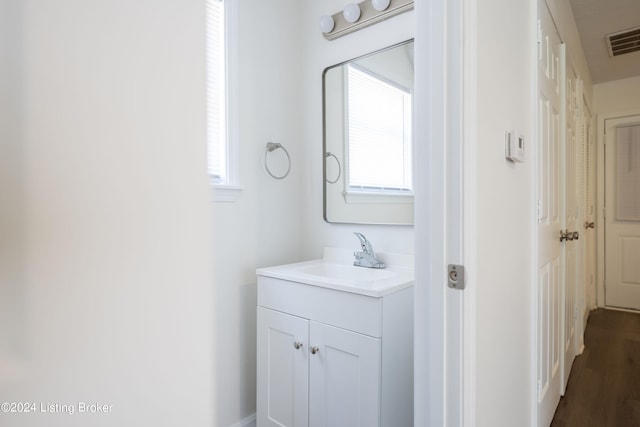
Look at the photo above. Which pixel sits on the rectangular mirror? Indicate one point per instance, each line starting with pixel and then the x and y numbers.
pixel 368 143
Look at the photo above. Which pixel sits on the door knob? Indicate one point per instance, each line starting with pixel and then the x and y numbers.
pixel 569 235
pixel 315 349
pixel 589 225
pixel 297 345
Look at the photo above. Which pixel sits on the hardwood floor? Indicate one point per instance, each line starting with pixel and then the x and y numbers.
pixel 604 386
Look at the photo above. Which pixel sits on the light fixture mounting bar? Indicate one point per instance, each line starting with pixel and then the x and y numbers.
pixel 368 16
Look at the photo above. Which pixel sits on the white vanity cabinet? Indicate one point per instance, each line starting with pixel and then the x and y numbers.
pixel 283 369
pixel 331 357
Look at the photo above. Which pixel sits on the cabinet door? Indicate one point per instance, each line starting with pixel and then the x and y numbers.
pixel 344 378
pixel 283 370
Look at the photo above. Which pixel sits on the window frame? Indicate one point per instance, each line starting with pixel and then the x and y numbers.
pixel 230 190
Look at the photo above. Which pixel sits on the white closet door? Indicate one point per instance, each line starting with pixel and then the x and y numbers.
pixel 571 213
pixel 550 202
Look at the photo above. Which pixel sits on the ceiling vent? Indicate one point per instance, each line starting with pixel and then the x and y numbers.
pixel 626 41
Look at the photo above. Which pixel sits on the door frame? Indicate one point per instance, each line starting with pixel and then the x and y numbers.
pixel 582 305
pixel 590 137
pixel 600 220
pixel 443 373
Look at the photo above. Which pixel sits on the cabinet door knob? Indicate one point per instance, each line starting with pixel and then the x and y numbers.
pixel 297 345
pixel 315 349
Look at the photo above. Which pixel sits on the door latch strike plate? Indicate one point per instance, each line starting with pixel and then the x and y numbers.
pixel 456 276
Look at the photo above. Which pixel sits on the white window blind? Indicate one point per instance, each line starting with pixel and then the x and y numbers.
pixel 628 173
pixel 379 133
pixel 217 144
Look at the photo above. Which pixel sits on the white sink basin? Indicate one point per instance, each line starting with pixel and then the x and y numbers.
pixel 335 271
pixel 346 272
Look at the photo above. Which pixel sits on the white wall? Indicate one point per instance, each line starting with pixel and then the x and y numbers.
pixel 11 289
pixel 118 306
pixel 504 194
pixel 617 96
pixel 264 227
pixel 318 54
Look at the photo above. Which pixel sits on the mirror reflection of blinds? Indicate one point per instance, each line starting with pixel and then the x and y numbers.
pixel 378 133
pixel 216 93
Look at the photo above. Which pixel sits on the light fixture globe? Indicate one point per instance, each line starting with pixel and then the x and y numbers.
pixel 380 5
pixel 326 24
pixel 351 12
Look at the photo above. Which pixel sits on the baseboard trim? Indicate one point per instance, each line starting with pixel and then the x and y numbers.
pixel 250 421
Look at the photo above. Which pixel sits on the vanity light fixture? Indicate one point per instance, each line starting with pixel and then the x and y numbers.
pixel 380 5
pixel 326 24
pixel 360 15
pixel 351 12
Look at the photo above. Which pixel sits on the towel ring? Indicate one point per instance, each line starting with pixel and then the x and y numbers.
pixel 271 146
pixel 330 154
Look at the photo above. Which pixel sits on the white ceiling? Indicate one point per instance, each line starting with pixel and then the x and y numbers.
pixel 595 19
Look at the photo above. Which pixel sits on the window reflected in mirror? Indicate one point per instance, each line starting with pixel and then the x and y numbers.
pixel 379 133
pixel 368 138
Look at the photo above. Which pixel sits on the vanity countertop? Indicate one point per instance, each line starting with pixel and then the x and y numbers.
pixel 336 271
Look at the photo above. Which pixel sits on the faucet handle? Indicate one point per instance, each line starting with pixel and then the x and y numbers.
pixel 364 243
pixel 366 258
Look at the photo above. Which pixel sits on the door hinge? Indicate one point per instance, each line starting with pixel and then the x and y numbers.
pixel 456 276
pixel 539 211
pixel 539 32
pixel 604 213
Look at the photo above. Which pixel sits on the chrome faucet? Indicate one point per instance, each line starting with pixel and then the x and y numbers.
pixel 366 258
